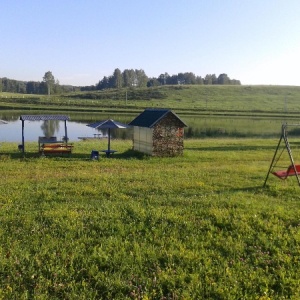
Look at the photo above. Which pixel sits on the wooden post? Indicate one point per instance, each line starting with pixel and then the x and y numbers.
pixel 23 140
pixel 66 132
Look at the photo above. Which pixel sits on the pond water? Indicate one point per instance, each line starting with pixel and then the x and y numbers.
pixel 12 132
pixel 76 128
pixel 198 126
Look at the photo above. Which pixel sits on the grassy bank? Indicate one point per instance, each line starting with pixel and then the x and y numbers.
pixel 133 227
pixel 201 99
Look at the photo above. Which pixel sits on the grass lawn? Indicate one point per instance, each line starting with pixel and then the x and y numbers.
pixel 198 226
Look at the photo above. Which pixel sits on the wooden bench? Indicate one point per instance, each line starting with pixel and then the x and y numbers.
pixel 56 149
pixel 44 140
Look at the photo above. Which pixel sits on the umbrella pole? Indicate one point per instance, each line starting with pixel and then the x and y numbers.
pixel 108 140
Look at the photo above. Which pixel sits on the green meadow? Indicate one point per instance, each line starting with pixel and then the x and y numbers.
pixel 199 226
pixel 271 101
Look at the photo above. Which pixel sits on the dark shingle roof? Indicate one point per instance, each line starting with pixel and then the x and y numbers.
pixel 150 117
pixel 44 117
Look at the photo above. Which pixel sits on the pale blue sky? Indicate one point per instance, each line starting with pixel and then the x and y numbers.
pixel 80 41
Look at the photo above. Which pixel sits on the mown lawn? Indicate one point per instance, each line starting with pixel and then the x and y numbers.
pixel 198 226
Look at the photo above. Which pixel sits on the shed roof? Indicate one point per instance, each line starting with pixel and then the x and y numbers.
pixel 151 116
pixel 44 117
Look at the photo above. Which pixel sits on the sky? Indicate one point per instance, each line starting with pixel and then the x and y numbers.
pixel 81 41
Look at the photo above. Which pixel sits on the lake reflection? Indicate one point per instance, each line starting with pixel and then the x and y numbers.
pixel 50 127
pixel 12 132
pixel 198 126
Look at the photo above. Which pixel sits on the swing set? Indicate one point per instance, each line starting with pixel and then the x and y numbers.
pixel 292 169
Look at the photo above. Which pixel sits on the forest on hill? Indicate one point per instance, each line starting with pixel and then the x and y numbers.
pixel 128 78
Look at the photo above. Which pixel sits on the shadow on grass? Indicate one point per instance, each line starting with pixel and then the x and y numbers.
pixel 232 148
pixel 253 190
pixel 33 155
pixel 269 190
pixel 129 154
pixel 250 189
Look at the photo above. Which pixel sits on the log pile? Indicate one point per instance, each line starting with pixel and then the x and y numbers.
pixel 168 137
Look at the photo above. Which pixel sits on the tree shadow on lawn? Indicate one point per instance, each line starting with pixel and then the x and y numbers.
pixel 232 148
pixel 270 190
pixel 31 155
pixel 250 189
pixel 129 154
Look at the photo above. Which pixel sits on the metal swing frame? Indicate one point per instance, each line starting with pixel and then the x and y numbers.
pixel 292 170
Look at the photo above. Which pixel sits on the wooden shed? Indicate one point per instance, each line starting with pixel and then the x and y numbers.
pixel 158 132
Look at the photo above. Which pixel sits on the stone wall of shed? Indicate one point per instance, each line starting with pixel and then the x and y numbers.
pixel 168 137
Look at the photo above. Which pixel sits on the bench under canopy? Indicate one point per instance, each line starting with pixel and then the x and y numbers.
pixel 31 118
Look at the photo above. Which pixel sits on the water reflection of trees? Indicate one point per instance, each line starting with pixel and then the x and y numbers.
pixel 9 116
pixel 49 127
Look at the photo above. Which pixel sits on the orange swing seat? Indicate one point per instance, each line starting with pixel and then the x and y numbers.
pixel 283 174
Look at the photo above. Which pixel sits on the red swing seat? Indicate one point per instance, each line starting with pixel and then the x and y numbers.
pixel 283 174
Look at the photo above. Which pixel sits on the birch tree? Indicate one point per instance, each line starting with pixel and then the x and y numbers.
pixel 49 80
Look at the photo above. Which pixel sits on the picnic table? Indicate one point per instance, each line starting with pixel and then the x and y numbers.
pixel 108 152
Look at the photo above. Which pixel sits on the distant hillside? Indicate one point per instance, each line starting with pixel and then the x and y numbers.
pixel 188 99
pixel 204 97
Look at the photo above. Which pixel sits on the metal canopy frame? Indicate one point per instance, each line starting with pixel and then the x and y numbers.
pixel 24 118
pixel 284 138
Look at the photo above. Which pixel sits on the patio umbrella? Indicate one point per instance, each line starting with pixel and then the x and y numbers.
pixel 108 124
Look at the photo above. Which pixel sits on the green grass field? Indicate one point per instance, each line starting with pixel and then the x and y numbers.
pixel 198 226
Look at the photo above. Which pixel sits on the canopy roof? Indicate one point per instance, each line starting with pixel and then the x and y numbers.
pixel 44 117
pixel 108 124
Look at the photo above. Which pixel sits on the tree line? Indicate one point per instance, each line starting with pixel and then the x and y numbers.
pixel 49 85
pixel 138 78
pixel 129 78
